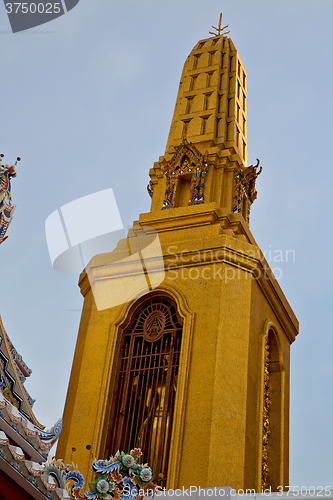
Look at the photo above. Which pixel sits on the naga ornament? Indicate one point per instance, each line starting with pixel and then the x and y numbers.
pixel 245 191
pixel 6 207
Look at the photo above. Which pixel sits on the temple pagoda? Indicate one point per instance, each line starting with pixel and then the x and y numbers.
pixel 183 348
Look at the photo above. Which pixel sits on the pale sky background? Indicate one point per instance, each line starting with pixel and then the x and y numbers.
pixel 87 101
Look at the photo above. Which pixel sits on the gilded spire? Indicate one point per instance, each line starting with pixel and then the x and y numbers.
pixel 220 28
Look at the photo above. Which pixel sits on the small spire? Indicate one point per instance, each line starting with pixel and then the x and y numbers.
pixel 220 29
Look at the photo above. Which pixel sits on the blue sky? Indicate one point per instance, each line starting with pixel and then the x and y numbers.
pixel 87 101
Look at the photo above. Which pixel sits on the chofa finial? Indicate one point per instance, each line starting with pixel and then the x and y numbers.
pixel 220 29
pixel 6 207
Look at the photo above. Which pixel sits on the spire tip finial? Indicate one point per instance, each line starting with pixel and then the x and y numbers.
pixel 220 28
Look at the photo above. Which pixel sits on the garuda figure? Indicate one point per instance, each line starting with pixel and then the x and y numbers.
pixel 6 207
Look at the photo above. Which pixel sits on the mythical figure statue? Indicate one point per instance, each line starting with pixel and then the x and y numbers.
pixel 248 177
pixel 6 207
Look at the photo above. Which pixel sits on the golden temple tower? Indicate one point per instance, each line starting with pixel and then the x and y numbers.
pixel 193 367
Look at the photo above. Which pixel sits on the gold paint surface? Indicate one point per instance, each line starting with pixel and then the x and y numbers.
pixel 225 293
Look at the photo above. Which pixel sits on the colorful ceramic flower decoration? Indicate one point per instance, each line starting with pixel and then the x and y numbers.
pixel 119 478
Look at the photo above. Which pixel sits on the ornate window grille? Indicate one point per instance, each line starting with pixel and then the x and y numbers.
pixel 146 384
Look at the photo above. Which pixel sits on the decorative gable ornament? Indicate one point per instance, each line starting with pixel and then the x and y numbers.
pixel 186 161
pixel 245 191
pixel 6 207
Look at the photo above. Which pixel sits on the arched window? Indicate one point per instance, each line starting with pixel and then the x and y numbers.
pixel 146 384
pixel 272 414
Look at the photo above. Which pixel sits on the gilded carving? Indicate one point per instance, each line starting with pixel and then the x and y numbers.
pixel 150 189
pixel 186 160
pixel 265 419
pixel 245 191
pixel 154 325
pixel 220 30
